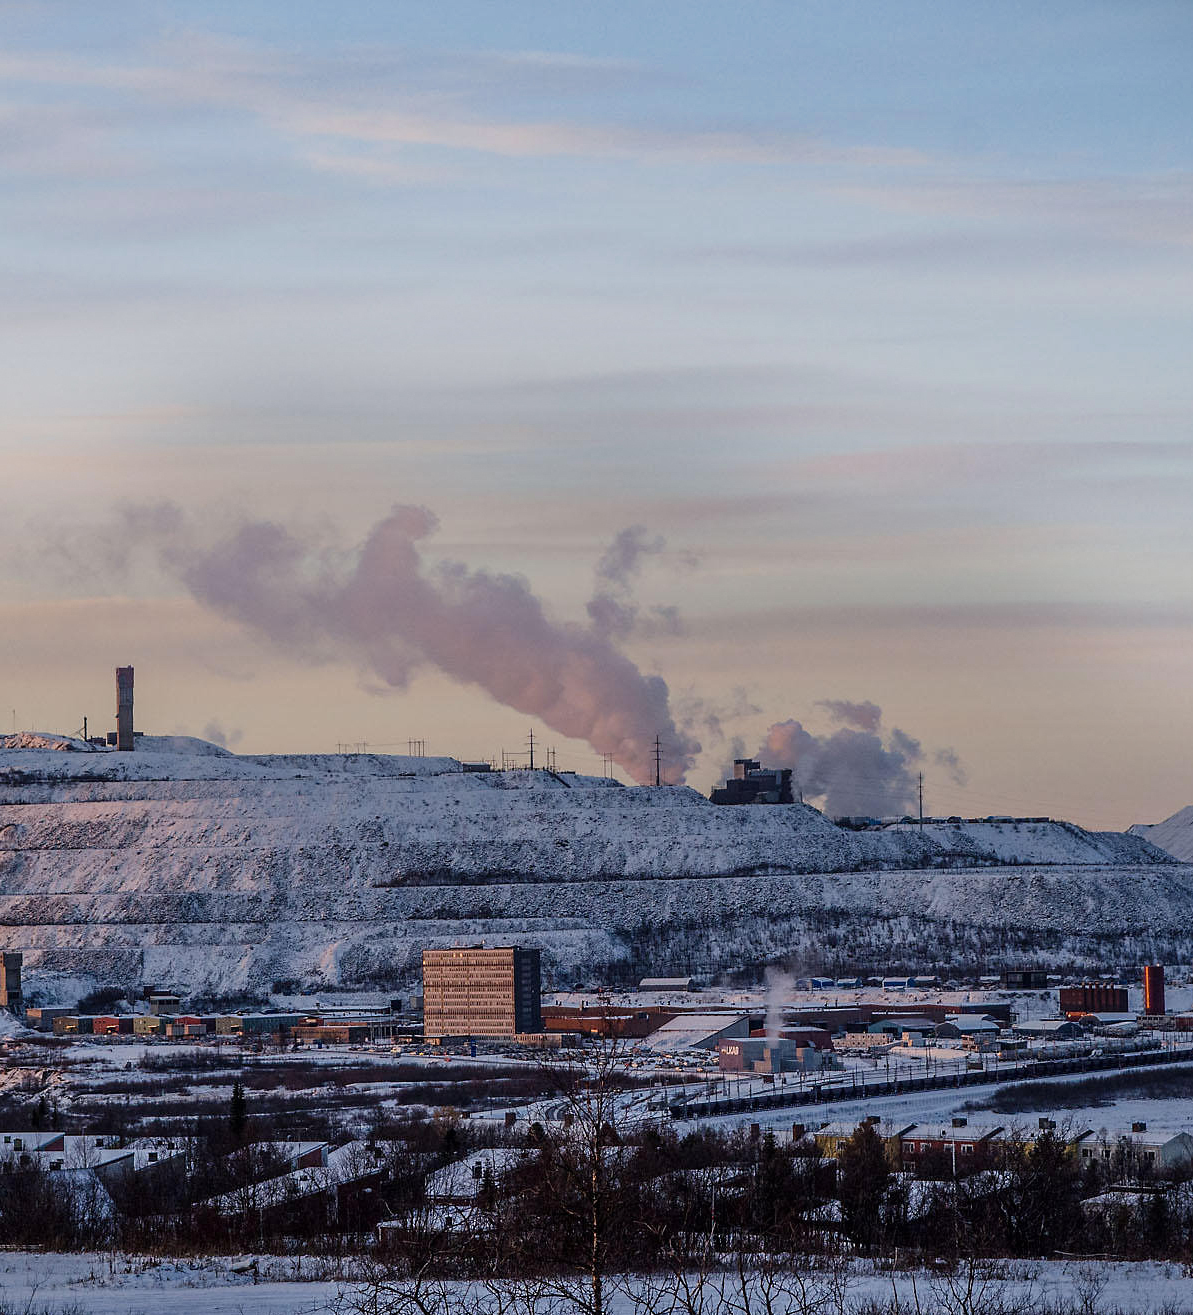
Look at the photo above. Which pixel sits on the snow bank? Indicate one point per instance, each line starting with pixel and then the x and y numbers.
pixel 1174 835
pixel 1034 842
pixel 46 740
pixel 10 1027
pixel 185 744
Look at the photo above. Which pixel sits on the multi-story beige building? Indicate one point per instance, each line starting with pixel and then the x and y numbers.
pixel 469 990
pixel 10 981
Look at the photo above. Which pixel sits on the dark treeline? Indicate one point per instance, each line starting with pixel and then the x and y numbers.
pixel 1089 1093
pixel 661 1196
pixel 591 1195
pixel 209 1198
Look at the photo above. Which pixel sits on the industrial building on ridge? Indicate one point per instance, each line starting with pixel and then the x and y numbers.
pixel 474 991
pixel 751 783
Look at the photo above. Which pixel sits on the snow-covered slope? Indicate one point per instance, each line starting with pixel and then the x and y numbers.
pixel 1034 842
pixel 46 740
pixel 1174 835
pixel 210 869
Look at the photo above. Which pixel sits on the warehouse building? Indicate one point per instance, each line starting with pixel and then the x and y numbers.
pixel 1049 1029
pixel 771 1055
pixel 1092 998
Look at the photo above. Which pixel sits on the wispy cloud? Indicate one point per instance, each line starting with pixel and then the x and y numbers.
pixel 326 98
pixel 967 461
pixel 1003 619
pixel 974 250
pixel 1153 207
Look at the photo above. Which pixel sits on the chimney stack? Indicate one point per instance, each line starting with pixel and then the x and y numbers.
pixel 124 709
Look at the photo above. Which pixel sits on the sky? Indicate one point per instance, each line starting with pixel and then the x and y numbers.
pixel 860 331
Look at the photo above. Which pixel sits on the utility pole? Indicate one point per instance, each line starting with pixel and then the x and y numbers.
pixel 658 762
pixel 607 761
pixel 921 801
pixel 532 751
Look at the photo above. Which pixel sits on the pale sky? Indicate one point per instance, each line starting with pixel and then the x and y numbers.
pixel 878 315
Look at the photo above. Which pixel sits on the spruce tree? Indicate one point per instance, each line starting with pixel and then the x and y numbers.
pixel 237 1113
pixel 863 1176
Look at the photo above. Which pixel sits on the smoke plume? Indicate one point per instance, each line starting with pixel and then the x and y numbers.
pixel 215 733
pixel 612 610
pixel 707 717
pixel 859 769
pixel 779 987
pixel 864 716
pixel 383 606
pixel 948 759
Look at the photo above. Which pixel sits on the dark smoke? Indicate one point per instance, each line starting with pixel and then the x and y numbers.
pixel 858 770
pixel 383 606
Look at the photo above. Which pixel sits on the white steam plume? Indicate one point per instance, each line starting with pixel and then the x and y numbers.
pixel 383 606
pixel 779 987
pixel 860 769
pixel 612 610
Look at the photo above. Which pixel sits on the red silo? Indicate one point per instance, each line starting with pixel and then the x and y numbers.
pixel 1153 988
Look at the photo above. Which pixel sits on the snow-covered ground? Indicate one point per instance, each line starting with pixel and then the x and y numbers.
pixel 114 1284
pixel 1174 835
pixel 1173 1114
pixel 99 1283
pixel 184 864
